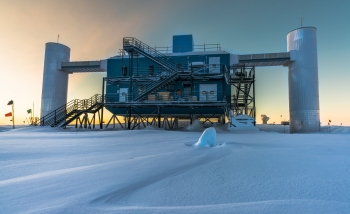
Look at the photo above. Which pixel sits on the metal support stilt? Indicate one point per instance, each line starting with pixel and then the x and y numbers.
pixel 129 118
pixel 159 117
pixel 191 109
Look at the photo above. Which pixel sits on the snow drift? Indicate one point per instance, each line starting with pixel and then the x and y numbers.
pixel 147 172
pixel 195 126
pixel 208 138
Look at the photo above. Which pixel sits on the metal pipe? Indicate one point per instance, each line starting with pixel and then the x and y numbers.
pixel 254 112
pixel 158 116
pixel 103 101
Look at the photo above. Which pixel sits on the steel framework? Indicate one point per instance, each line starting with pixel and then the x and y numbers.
pixel 144 83
pixel 134 118
pixel 242 80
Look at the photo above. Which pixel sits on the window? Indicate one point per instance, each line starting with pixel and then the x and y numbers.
pixel 124 70
pixel 151 69
pixel 179 67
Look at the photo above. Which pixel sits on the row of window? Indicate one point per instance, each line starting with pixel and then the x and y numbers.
pixel 214 68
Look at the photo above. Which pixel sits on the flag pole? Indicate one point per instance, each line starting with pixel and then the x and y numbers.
pixel 13 114
pixel 32 113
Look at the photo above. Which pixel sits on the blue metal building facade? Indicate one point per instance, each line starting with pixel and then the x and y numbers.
pixel 162 85
pixel 186 61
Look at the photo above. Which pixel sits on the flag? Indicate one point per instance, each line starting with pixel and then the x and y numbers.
pixel 29 111
pixel 8 114
pixel 10 102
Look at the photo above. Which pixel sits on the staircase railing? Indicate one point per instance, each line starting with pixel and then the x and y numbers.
pixel 153 85
pixel 170 97
pixel 71 109
pixel 226 73
pixel 133 44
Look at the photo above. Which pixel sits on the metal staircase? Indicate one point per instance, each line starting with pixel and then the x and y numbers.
pixel 243 101
pixel 242 95
pixel 132 45
pixel 67 113
pixel 226 73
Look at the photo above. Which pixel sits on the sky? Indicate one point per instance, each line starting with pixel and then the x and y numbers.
pixel 94 30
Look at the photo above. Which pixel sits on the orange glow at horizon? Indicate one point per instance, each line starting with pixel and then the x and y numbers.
pixel 29 25
pixel 94 30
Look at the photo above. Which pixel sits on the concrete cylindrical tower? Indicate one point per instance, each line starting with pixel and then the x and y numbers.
pixel 303 81
pixel 55 82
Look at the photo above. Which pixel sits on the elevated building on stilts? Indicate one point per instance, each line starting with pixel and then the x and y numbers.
pixel 164 85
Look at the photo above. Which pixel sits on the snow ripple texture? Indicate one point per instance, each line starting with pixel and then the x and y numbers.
pixel 45 170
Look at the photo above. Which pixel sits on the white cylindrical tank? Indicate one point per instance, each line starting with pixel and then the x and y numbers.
pixel 55 82
pixel 303 81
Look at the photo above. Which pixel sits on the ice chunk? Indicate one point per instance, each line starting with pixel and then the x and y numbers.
pixel 208 138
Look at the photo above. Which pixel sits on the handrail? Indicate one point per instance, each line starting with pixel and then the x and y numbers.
pixel 195 69
pixel 70 109
pixel 175 49
pixel 183 97
pixel 131 43
pixel 148 51
pixel 226 73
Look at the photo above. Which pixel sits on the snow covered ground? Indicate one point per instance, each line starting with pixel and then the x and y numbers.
pixel 49 170
pixel 324 129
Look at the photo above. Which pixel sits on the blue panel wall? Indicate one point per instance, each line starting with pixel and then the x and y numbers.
pixel 182 43
pixel 114 66
pixel 114 69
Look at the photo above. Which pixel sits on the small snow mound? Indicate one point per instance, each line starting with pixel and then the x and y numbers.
pixel 195 126
pixel 242 120
pixel 208 138
pixel 240 123
pixel 238 129
pixel 243 128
